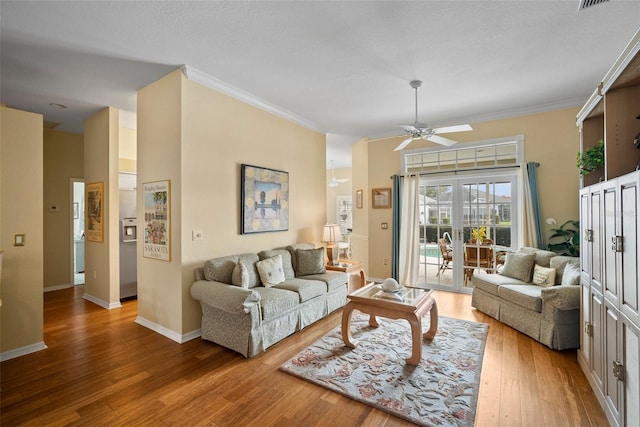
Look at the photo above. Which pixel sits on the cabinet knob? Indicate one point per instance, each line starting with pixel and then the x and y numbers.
pixel 616 243
pixel 618 370
pixel 588 235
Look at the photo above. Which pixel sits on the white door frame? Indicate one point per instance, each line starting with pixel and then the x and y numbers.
pixel 72 247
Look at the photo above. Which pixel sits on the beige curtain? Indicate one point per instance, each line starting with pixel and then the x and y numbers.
pixel 409 231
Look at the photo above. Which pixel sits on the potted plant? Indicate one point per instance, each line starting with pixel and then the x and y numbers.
pixel 591 159
pixel 565 240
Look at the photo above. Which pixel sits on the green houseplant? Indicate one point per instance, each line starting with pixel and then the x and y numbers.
pixel 591 159
pixel 565 240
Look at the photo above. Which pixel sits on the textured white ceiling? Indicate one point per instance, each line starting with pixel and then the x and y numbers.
pixel 342 66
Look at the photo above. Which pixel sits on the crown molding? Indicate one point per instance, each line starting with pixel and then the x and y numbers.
pixel 220 86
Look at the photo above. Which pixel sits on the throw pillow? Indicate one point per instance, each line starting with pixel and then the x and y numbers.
pixel 543 258
pixel 270 270
pixel 571 275
pixel 543 276
pixel 310 261
pixel 518 266
pixel 240 276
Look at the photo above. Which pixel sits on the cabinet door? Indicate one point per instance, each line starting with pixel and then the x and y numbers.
pixel 630 256
pixel 585 324
pixel 630 335
pixel 595 214
pixel 597 345
pixel 610 231
pixel 585 244
pixel 612 385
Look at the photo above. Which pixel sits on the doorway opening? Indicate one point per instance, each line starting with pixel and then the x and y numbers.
pixel 77 231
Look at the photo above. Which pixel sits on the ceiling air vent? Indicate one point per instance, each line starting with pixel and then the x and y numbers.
pixel 583 4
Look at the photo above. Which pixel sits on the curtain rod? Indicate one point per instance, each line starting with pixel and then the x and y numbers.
pixel 455 172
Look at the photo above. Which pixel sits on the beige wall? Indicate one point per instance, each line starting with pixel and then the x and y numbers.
pixel 198 138
pixel 102 262
pixel 550 138
pixel 159 158
pixel 127 149
pixel 21 175
pixel 63 160
pixel 360 181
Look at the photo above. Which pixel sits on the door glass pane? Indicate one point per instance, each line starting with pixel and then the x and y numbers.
pixel 487 228
pixel 435 234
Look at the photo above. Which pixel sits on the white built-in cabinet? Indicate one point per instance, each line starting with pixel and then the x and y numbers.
pixel 610 340
pixel 610 250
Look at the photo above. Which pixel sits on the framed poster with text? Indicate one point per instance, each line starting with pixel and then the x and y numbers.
pixel 157 220
pixel 95 212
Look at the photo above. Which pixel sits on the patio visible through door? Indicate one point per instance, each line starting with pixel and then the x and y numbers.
pixel 453 211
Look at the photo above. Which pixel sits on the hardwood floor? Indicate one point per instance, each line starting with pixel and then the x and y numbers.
pixel 101 368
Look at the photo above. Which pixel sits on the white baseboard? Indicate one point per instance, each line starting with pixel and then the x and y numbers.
pixel 22 351
pixel 172 335
pixel 192 335
pixel 57 287
pixel 101 303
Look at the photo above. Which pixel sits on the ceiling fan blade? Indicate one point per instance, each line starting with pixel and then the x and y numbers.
pixel 385 137
pixel 449 129
pixel 416 127
pixel 403 144
pixel 441 140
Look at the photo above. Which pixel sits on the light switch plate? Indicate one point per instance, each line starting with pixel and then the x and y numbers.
pixel 18 240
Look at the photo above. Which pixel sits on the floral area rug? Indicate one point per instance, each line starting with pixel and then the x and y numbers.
pixel 441 391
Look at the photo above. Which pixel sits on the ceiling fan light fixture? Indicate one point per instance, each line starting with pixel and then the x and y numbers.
pixel 423 131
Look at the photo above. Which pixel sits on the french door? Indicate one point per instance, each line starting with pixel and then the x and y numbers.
pixel 450 210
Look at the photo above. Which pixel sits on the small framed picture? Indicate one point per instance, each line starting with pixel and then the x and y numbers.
pixel 359 199
pixel 381 198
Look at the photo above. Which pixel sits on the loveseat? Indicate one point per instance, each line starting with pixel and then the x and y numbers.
pixel 251 301
pixel 536 292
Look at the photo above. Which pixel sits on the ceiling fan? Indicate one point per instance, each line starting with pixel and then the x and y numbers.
pixel 334 182
pixel 419 130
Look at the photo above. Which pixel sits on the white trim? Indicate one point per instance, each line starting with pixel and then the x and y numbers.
pixel 518 139
pixel 589 106
pixel 192 335
pixel 101 303
pixel 220 86
pixel 22 351
pixel 629 52
pixel 523 111
pixel 172 335
pixel 57 287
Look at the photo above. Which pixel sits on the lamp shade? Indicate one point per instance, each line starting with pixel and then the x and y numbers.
pixel 331 233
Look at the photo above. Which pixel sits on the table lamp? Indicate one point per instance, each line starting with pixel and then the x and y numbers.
pixel 330 236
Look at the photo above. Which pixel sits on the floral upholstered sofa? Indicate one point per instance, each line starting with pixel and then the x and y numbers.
pixel 536 292
pixel 251 301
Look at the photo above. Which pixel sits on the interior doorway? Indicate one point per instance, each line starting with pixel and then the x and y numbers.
pixel 77 231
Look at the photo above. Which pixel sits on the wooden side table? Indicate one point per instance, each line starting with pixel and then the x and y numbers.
pixel 412 305
pixel 352 268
